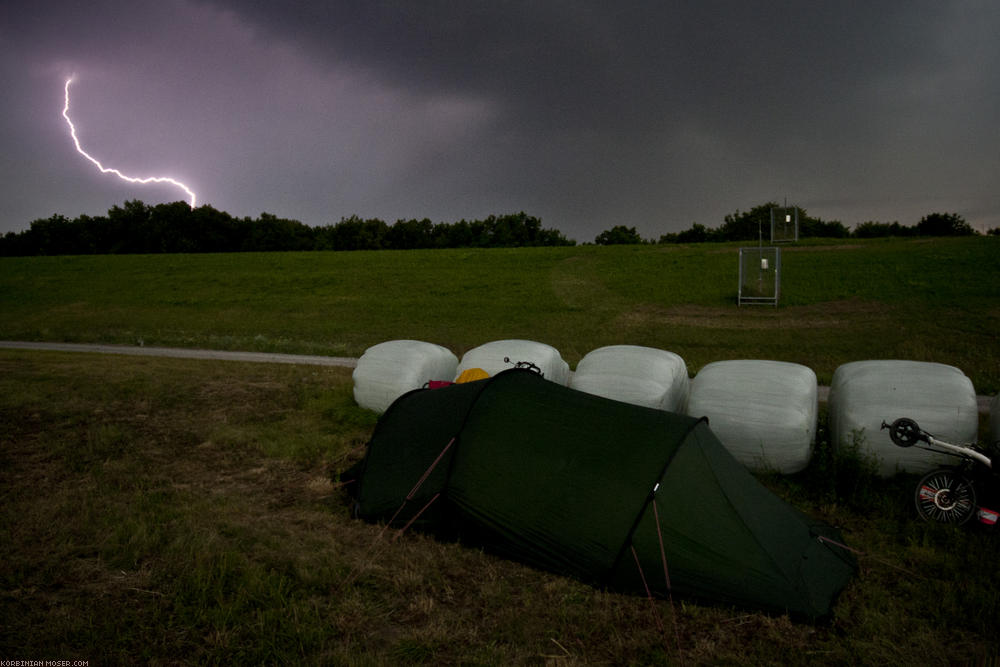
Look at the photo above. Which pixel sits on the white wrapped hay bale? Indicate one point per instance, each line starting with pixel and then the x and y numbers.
pixel 763 412
pixel 634 374
pixel 490 357
pixel 388 370
pixel 938 397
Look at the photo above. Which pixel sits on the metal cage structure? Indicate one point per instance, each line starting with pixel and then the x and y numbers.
pixel 785 224
pixel 760 276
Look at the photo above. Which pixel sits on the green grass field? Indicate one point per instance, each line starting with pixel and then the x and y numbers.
pixel 920 299
pixel 172 511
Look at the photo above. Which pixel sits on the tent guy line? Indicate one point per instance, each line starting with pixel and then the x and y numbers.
pixel 257 357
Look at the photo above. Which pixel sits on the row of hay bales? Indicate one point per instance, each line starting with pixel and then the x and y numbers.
pixel 764 412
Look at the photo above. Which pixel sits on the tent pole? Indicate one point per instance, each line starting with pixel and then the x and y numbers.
pixel 416 516
pixel 430 469
pixel 649 593
pixel 666 574
pixel 416 487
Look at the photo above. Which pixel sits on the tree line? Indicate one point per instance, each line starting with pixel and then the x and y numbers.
pixel 136 228
pixel 756 224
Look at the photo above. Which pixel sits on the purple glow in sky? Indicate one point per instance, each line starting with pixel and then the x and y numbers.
pixel 586 114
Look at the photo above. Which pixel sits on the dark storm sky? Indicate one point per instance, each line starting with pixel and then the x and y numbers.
pixel 586 114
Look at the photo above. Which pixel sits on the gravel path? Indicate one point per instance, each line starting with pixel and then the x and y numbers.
pixel 183 353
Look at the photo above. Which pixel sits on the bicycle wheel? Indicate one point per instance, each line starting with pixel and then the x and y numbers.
pixel 904 432
pixel 946 496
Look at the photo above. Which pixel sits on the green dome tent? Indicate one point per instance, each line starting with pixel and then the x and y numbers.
pixel 591 488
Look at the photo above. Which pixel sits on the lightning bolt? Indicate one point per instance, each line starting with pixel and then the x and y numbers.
pixel 106 170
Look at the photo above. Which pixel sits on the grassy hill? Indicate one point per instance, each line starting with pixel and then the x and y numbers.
pixel 172 511
pixel 920 299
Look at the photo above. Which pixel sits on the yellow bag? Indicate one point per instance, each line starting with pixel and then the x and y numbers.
pixel 471 375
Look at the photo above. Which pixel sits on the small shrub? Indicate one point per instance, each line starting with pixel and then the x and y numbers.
pixel 846 474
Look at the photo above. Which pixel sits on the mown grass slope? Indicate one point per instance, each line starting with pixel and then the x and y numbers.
pixel 921 299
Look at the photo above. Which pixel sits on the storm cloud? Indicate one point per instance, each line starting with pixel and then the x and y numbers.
pixel 586 114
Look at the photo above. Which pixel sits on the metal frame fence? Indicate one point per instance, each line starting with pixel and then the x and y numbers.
pixel 760 276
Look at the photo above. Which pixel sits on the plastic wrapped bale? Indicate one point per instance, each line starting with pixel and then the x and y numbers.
pixel 633 374
pixel 763 412
pixel 938 397
pixel 490 357
pixel 388 370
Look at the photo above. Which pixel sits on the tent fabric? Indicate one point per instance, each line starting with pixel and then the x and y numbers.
pixel 764 412
pixel 939 397
pixel 570 482
pixel 634 374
